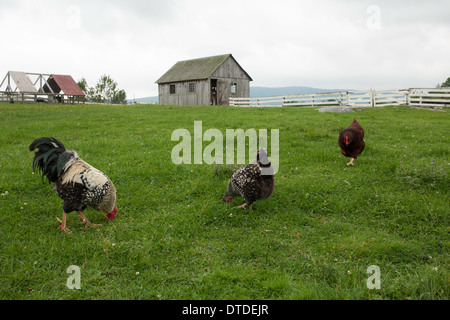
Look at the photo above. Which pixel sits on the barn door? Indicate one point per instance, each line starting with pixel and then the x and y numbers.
pixel 222 92
pixel 213 92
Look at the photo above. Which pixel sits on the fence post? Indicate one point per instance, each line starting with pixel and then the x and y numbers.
pixel 372 92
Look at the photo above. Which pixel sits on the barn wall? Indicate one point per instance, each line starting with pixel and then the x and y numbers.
pixel 202 94
pixel 182 96
pixel 228 73
pixel 224 89
pixel 230 69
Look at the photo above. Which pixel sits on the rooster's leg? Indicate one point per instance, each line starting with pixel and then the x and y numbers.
pixel 351 162
pixel 242 206
pixel 86 221
pixel 63 223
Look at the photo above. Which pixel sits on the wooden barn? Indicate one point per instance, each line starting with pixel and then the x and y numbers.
pixel 204 81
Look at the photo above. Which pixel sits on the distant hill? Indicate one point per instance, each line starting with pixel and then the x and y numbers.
pixel 259 92
pixel 153 99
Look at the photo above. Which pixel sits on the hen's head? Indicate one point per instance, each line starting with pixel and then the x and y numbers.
pixel 262 158
pixel 229 194
pixel 347 140
pixel 112 214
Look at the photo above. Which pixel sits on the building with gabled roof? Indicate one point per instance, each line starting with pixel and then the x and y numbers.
pixel 204 81
pixel 63 84
pixel 38 87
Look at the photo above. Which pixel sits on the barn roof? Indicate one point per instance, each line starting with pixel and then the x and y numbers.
pixel 22 81
pixel 195 69
pixel 64 83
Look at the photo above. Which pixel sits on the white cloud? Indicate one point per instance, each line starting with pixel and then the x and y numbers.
pixel 326 44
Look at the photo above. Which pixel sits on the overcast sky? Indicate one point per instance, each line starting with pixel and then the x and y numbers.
pixel 325 44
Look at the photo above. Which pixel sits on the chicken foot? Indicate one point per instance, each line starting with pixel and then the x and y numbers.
pixel 86 221
pixel 63 223
pixel 242 206
pixel 351 162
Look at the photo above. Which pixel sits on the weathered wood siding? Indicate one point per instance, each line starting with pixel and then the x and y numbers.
pixel 227 74
pixel 182 96
pixel 229 69
pixel 202 94
pixel 224 89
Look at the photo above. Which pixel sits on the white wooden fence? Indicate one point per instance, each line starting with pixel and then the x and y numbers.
pixel 368 98
pixel 429 97
pixel 28 97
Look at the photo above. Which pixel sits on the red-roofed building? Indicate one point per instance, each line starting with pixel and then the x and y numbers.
pixel 63 84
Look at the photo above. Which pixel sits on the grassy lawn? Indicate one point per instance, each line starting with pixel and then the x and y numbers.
pixel 174 238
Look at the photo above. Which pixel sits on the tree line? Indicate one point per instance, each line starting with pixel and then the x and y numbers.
pixel 105 91
pixel 445 84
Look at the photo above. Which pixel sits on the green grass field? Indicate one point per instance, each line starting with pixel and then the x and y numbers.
pixel 173 238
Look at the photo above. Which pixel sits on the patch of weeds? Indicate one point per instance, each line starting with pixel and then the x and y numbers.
pixel 226 169
pixel 424 174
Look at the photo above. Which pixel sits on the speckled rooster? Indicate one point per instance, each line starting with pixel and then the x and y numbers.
pixel 76 182
pixel 253 182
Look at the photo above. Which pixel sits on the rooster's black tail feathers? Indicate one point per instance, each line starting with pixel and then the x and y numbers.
pixel 47 158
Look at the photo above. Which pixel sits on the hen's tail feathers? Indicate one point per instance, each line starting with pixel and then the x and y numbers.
pixel 50 158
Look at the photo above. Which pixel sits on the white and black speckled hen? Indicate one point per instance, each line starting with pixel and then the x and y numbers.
pixel 76 182
pixel 253 182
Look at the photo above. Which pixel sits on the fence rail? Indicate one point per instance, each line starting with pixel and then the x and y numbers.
pixel 429 97
pixel 34 97
pixel 367 98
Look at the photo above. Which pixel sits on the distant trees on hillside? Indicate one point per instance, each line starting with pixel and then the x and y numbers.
pixel 446 84
pixel 105 91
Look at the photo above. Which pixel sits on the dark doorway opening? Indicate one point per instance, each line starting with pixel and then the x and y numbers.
pixel 213 92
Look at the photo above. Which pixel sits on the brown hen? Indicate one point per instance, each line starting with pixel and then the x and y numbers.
pixel 351 141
